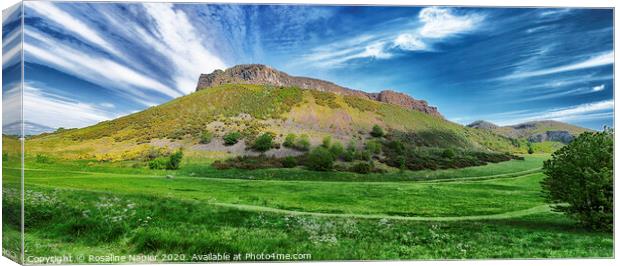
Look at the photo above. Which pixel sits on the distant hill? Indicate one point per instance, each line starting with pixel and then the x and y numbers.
pixel 29 128
pixel 535 131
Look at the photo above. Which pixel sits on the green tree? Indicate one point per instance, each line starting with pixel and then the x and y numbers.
pixel 320 159
pixel 206 137
pixel 263 143
pixel 530 149
pixel 289 140
pixel 231 138
pixel 174 161
pixel 377 131
pixel 579 179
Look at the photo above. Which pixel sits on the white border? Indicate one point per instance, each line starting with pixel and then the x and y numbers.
pixel 488 3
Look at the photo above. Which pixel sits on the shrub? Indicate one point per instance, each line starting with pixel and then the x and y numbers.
pixel 263 143
pixel 206 137
pixel 337 149
pixel 320 159
pixel 289 141
pixel 530 149
pixel 175 160
pixel 580 175
pixel 327 142
pixel 373 146
pixel 303 143
pixel 231 138
pixel 448 153
pixel 159 163
pixel 362 168
pixel 377 131
pixel 289 162
pixel 40 158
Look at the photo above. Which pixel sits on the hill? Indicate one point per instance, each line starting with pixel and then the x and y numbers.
pixel 534 131
pixel 253 109
pixel 264 75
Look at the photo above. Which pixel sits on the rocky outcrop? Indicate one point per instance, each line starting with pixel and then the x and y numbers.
pixel 559 136
pixel 265 75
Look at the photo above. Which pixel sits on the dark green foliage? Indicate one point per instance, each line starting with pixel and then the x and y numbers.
pixel 175 160
pixel 580 175
pixel 320 159
pixel 289 162
pixel 249 162
pixel 373 146
pixel 231 138
pixel 263 143
pixel 337 149
pixel 361 168
pixel 530 149
pixel 448 153
pixel 303 143
pixel 289 141
pixel 206 137
pixel 377 131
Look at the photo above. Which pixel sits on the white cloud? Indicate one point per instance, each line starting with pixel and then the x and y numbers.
pixel 442 22
pixel 602 59
pixel 582 112
pixel 410 42
pixel 66 21
pixel 182 43
pixel 598 88
pixel 93 68
pixel 56 111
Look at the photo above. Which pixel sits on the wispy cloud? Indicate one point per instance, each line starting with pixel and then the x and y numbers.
pixel 582 112
pixel 602 59
pixel 68 22
pixel 434 25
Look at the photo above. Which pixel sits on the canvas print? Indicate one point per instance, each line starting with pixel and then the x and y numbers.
pixel 137 132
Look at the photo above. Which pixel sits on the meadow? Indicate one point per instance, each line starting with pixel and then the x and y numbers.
pixel 84 208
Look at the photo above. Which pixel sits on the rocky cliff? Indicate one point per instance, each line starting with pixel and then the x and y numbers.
pixel 262 74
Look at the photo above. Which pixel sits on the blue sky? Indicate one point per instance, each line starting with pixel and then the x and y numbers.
pixel 88 62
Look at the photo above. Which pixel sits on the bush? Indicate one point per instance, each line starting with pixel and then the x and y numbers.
pixel 231 138
pixel 175 160
pixel 172 162
pixel 448 153
pixel 580 175
pixel 263 143
pixel 303 143
pixel 373 146
pixel 327 142
pixel 530 149
pixel 337 149
pixel 361 168
pixel 40 158
pixel 289 162
pixel 289 141
pixel 206 137
pixel 159 163
pixel 377 131
pixel 320 159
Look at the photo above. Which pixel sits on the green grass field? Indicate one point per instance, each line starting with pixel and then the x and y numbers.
pixel 494 211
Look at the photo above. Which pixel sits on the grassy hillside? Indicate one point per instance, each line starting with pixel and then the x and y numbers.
pixel 251 110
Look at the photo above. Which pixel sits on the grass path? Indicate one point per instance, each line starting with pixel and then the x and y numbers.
pixel 513 214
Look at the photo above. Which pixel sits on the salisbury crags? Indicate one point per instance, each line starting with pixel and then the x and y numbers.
pixel 265 75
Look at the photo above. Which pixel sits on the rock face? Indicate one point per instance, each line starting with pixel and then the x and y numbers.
pixel 560 136
pixel 265 75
